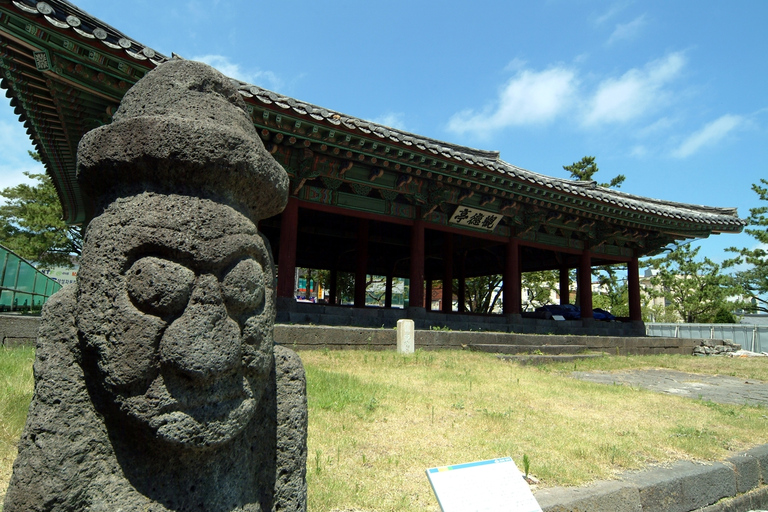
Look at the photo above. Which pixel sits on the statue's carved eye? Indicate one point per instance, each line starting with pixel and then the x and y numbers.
pixel 243 287
pixel 159 287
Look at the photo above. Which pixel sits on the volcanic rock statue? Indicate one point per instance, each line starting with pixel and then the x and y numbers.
pixel 157 386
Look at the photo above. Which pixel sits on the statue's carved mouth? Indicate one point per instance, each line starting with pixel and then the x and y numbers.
pixel 195 415
pixel 204 426
pixel 186 396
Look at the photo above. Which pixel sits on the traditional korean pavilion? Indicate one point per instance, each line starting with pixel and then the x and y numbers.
pixel 365 198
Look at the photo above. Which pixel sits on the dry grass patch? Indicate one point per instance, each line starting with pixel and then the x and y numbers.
pixel 378 420
pixel 16 386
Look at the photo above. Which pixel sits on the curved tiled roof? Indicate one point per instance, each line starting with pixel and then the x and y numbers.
pixel 490 160
pixel 67 16
pixel 64 16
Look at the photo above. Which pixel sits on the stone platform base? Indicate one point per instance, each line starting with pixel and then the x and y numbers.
pixel 291 312
pixel 308 337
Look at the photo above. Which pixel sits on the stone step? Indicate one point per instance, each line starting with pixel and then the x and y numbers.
pixel 526 339
pixel 544 359
pixel 499 348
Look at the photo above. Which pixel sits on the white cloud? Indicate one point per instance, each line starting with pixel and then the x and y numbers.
pixel 394 120
pixel 661 125
pixel 515 65
pixel 12 176
pixel 710 134
pixel 14 145
pixel 635 93
pixel 537 97
pixel 530 97
pixel 266 79
pixel 13 135
pixel 614 10
pixel 581 58
pixel 627 31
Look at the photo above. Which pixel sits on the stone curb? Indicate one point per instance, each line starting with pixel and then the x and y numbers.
pixel 734 485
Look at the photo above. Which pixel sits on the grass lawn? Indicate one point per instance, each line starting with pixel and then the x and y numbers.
pixel 379 419
pixel 15 393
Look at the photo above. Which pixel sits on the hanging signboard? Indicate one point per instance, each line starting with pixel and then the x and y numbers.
pixel 471 217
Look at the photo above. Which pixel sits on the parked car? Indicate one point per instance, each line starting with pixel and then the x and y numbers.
pixel 567 311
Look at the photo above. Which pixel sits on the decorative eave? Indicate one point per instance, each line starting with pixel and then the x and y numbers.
pixel 479 170
pixel 66 72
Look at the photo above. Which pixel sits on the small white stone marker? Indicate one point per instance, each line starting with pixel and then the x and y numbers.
pixel 405 340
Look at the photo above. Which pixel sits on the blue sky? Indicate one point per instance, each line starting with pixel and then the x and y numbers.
pixel 674 95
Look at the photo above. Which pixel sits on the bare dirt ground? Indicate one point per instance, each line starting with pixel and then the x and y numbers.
pixel 716 388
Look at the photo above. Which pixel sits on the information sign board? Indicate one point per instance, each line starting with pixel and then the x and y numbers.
pixel 494 485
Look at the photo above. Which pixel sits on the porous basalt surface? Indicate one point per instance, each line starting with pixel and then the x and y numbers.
pixel 157 383
pixel 183 128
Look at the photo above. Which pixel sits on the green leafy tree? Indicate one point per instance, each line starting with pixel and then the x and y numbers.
pixel 375 286
pixel 345 282
pixel 613 295
pixel 696 290
pixel 376 289
pixel 538 288
pixel 754 279
pixel 31 223
pixel 660 313
pixel 724 316
pixel 584 169
pixel 483 294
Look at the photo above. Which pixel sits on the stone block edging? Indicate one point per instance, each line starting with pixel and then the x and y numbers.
pixel 737 484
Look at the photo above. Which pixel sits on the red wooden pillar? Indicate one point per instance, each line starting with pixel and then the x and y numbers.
pixel 565 286
pixel 416 275
pixel 428 293
pixel 362 263
pixel 286 265
pixel 388 291
pixel 585 285
pixel 512 279
pixel 448 272
pixel 633 285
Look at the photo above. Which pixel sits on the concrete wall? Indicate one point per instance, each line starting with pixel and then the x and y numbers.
pixel 18 329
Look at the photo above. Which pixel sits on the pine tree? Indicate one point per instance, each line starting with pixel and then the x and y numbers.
pixel 32 225
pixel 755 278
pixel 584 169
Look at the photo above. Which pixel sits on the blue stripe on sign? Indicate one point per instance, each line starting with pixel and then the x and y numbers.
pixel 470 464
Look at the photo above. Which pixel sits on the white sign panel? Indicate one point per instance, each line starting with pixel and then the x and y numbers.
pixel 475 218
pixel 62 275
pixel 494 485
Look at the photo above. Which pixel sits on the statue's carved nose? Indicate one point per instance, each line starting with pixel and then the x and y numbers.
pixel 204 342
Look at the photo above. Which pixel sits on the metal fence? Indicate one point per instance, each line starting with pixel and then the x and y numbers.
pixel 22 286
pixel 749 336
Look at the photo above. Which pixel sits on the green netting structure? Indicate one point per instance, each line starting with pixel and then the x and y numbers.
pixel 22 286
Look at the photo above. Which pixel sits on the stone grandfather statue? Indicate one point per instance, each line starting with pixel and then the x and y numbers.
pixel 157 386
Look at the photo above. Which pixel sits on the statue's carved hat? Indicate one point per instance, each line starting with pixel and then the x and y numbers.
pixel 183 128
